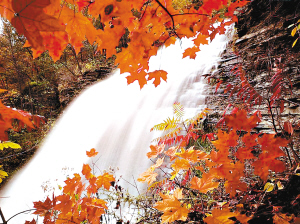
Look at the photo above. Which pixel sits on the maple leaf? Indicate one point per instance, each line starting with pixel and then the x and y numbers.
pixel 8 115
pixel 244 153
pixel 171 152
pixel 148 176
pixel 65 205
pixel 173 209
pixel 192 155
pixel 105 180
pixel 280 218
pixel 239 120
pixel 31 222
pixel 30 20
pixel 200 39
pixel 250 140
pixel 42 208
pixel 6 9
pixel 204 184
pixel 158 163
pixel 191 52
pixel 140 77
pixel 266 163
pixel 155 150
pixel 222 216
pixel 78 27
pixel 91 153
pixel 232 187
pixel 225 141
pixel 45 209
pixel 180 164
pixel 92 188
pixel 86 171
pixel 157 75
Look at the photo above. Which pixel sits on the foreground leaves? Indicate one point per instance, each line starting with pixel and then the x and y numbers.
pixel 51 25
pixel 78 202
pixel 172 208
pixel 223 215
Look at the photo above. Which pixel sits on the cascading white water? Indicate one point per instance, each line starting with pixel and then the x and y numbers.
pixel 115 119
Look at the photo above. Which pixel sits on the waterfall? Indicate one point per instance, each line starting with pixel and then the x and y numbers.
pixel 115 119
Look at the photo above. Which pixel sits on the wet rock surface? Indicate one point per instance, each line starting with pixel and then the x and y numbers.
pixel 262 48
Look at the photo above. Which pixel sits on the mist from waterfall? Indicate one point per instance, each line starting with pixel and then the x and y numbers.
pixel 115 119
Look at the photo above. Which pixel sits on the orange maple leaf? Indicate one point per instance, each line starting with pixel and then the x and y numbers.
pixel 31 222
pixel 65 205
pixel 200 39
pixel 8 115
pixel 180 164
pixel 193 155
pixel 86 171
pixel 30 20
pixel 223 215
pixel 191 52
pixel 73 185
pixel 157 75
pixel 158 163
pixel 225 140
pixel 155 150
pixel 173 209
pixel 240 121
pixel 105 180
pixel 91 153
pixel 265 163
pixel 148 176
pixel 43 208
pixel 171 152
pixel 244 153
pixel 205 183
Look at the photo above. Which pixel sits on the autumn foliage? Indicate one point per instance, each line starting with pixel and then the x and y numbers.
pixel 239 159
pixel 78 202
pixel 13 119
pixel 52 25
pixel 216 176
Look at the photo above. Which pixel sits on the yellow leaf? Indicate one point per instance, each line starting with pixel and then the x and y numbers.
pixel 9 145
pixel 269 187
pixel 172 208
pixel 3 174
pixel 13 145
pixel 294 31
pixel 295 42
pixel 181 164
pixel 279 185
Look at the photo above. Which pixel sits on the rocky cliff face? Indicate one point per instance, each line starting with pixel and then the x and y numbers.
pixel 262 49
